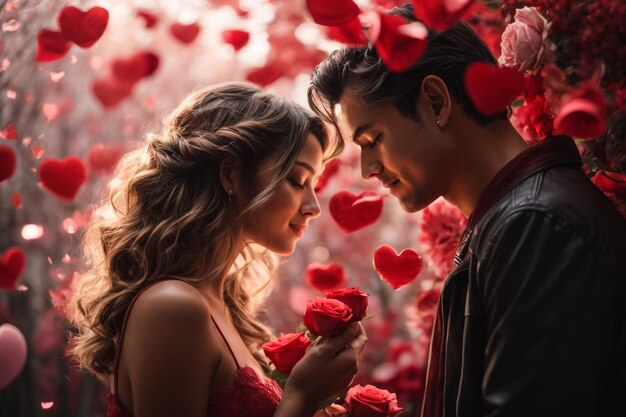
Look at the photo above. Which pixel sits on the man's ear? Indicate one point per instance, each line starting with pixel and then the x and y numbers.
pixel 229 176
pixel 437 98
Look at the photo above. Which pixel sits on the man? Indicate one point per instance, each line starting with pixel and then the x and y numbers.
pixel 532 319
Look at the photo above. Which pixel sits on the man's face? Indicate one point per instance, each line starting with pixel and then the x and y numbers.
pixel 414 160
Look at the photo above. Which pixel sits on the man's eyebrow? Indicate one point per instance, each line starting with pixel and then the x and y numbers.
pixel 307 166
pixel 359 131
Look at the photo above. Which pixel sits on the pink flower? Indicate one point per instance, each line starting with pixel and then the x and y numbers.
pixel 440 232
pixel 525 45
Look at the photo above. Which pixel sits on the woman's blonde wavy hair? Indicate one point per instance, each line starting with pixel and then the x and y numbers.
pixel 167 214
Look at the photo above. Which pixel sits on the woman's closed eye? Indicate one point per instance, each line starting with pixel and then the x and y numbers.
pixel 298 184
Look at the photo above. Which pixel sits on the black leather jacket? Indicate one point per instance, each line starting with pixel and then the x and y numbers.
pixel 532 319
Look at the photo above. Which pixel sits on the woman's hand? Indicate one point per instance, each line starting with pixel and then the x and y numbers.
pixel 325 371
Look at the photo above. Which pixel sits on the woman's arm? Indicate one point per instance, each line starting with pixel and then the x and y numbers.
pixel 167 352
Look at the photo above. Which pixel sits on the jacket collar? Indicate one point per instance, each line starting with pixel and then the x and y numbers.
pixel 557 150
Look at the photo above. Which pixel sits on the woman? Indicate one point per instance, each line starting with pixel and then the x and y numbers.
pixel 166 314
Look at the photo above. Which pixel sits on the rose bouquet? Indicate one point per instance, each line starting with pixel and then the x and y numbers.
pixel 574 80
pixel 324 317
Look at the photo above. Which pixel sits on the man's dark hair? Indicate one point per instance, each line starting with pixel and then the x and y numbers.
pixel 359 70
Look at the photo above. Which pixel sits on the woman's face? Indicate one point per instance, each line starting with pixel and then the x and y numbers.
pixel 279 223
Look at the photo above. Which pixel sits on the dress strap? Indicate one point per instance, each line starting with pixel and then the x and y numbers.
pixel 226 341
pixel 120 337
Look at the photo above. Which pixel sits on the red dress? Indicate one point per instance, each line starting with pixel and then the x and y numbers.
pixel 249 395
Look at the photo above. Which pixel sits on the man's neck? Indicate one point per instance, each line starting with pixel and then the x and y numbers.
pixel 485 151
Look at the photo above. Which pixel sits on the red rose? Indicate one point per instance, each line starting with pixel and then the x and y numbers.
pixel 326 317
pixel 353 298
pixel 286 351
pixel 369 401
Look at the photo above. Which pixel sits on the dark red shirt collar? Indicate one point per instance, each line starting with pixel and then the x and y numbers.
pixel 549 152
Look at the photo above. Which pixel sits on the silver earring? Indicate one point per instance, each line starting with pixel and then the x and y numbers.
pixel 438 122
pixel 230 194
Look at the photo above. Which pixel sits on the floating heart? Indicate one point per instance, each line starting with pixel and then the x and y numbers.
pixel 185 33
pixel 10 133
pixel 325 277
pixel 83 28
pixel 350 33
pixel 492 89
pixel 150 20
pixel 236 38
pixel 329 171
pixel 103 158
pixel 583 114
pixel 64 177
pixel 12 354
pixel 398 42
pixel 397 270
pixel 266 74
pixel 439 14
pixel 7 162
pixel 51 45
pixel 134 68
pixel 332 12
pixel 354 212
pixel 11 267
pixel 110 91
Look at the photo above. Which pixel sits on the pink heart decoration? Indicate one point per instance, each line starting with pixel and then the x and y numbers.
pixel 51 45
pixel 332 12
pixel 397 270
pixel 64 177
pixel 492 89
pixel 11 267
pixel 83 28
pixel 325 278
pixel 353 212
pixel 185 33
pixel 7 162
pixel 236 38
pixel 13 353
pixel 111 91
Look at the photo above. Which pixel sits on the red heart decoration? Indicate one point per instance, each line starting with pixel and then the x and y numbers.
pixel 16 199
pixel 150 20
pixel 325 278
pixel 354 212
pixel 329 171
pixel 439 14
pixel 111 91
pixel 350 33
pixel 10 133
pixel 397 270
pixel 103 158
pixel 185 33
pixel 83 28
pixel 236 38
pixel 583 114
pixel 492 89
pixel 64 177
pixel 399 43
pixel 11 267
pixel 7 162
pixel 51 45
pixel 332 12
pixel 266 75
pixel 132 69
